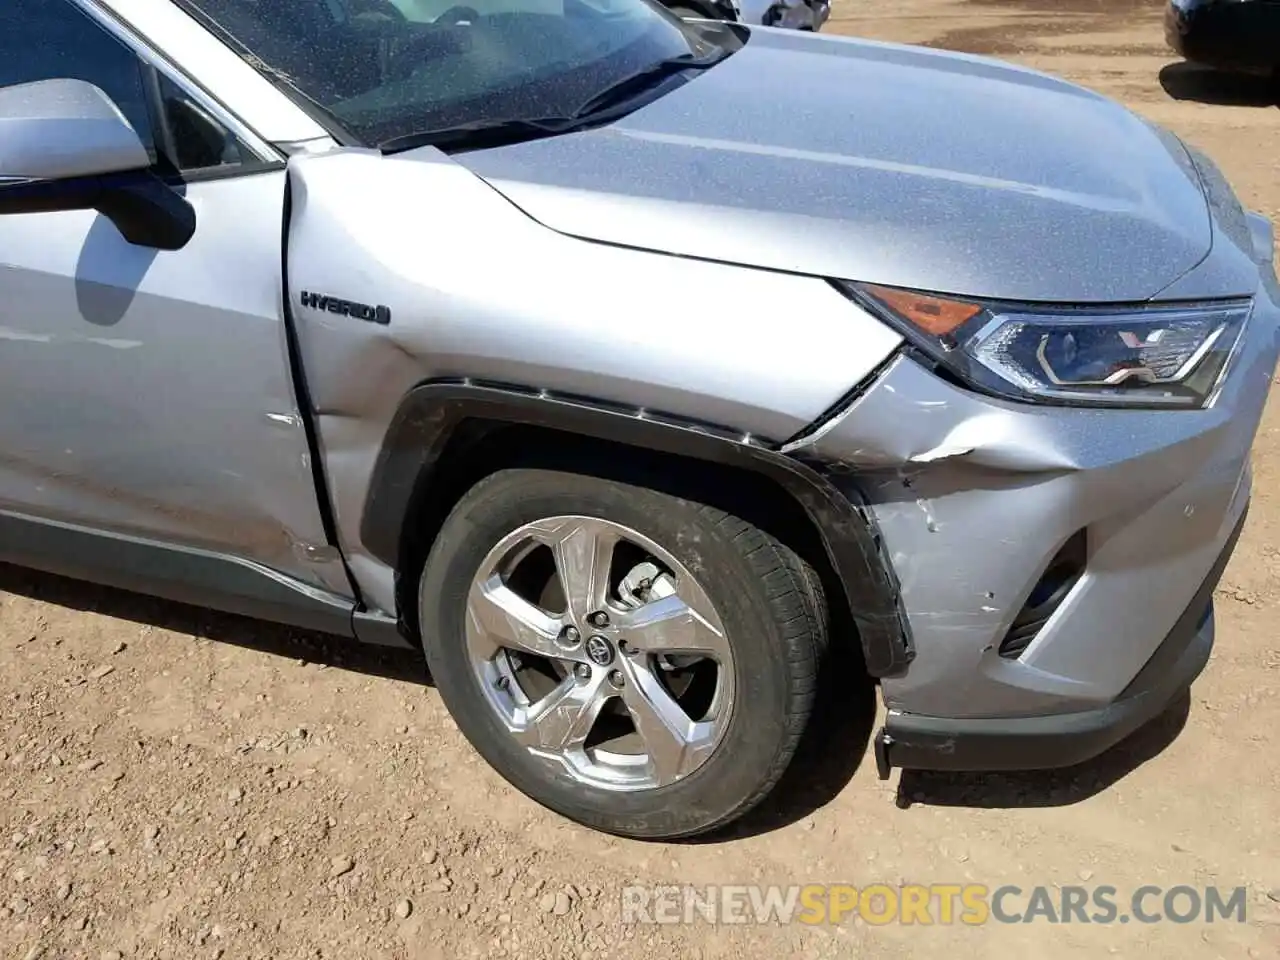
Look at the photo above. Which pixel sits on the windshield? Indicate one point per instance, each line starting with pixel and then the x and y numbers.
pixel 388 68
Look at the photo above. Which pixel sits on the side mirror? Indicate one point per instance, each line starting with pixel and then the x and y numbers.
pixel 64 145
pixel 62 129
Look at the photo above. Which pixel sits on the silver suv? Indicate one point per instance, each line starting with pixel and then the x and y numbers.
pixel 565 341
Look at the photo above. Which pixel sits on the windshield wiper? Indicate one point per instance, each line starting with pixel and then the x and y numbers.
pixel 504 130
pixel 645 78
pixel 481 133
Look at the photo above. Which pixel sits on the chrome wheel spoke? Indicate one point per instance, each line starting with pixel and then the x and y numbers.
pixel 563 719
pixel 583 550
pixel 603 669
pixel 500 618
pixel 675 745
pixel 671 625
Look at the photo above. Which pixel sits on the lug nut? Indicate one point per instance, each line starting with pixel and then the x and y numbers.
pixel 599 619
pixel 583 671
pixel 616 678
pixel 503 683
pixel 570 636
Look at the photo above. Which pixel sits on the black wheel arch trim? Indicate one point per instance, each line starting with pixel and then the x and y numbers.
pixel 430 413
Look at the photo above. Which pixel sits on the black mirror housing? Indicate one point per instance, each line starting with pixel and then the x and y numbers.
pixel 146 210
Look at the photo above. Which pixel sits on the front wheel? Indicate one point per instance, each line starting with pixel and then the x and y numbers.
pixel 637 662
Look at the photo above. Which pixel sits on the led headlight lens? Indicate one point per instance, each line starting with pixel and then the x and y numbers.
pixel 1142 356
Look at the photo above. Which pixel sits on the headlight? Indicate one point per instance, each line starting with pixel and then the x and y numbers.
pixel 1144 356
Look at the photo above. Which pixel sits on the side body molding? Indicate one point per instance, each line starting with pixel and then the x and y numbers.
pixel 432 412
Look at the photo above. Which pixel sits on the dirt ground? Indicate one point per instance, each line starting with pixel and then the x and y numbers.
pixel 179 784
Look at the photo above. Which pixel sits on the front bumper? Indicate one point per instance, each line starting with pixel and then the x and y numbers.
pixel 1060 740
pixel 975 499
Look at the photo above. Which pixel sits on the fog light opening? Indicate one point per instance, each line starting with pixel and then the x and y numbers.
pixel 1055 584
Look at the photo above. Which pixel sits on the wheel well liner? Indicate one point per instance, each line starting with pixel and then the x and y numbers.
pixel 438 416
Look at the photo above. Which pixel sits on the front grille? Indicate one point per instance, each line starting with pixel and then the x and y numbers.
pixel 1059 577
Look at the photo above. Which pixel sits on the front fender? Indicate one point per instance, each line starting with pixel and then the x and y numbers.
pixel 472 288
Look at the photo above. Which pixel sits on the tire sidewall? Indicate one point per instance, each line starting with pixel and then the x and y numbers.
pixel 757 727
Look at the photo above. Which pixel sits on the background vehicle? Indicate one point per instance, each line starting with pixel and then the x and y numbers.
pixel 473 344
pixel 1232 35
pixel 793 14
pixel 705 9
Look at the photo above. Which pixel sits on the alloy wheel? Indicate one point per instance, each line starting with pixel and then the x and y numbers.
pixel 600 652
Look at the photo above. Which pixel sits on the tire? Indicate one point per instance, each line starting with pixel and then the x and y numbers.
pixel 768 601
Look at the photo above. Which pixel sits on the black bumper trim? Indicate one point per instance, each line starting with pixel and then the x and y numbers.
pixel 917 742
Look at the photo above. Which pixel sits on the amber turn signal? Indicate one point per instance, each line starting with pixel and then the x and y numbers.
pixel 931 314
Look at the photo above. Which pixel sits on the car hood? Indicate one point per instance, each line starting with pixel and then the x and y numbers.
pixel 883 163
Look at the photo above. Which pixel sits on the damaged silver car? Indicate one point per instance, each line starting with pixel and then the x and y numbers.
pixel 562 341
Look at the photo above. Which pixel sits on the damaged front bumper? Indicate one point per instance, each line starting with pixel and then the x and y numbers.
pixel 1056 564
pixel 1063 739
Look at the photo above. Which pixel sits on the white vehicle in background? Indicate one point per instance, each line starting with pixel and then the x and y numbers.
pixel 793 14
pixel 796 14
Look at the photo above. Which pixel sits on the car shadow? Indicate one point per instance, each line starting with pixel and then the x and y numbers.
pixel 109 273
pixel 1189 81
pixel 835 744
pixel 1047 788
pixel 843 715
pixel 833 748
pixel 257 635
